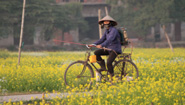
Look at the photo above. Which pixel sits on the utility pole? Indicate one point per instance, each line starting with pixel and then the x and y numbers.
pixel 21 34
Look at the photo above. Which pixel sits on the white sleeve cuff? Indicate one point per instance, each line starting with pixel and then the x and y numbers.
pixel 93 44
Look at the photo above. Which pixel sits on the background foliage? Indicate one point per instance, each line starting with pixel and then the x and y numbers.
pixel 39 13
pixel 140 15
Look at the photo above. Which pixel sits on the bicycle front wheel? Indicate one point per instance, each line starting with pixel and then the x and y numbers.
pixel 78 74
pixel 126 69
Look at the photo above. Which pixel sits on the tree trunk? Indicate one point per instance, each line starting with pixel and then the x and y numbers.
pixel 177 31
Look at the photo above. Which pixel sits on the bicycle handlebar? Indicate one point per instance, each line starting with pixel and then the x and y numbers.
pixel 87 46
pixel 102 48
pixel 99 48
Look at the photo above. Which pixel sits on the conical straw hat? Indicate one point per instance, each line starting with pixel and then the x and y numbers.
pixel 108 18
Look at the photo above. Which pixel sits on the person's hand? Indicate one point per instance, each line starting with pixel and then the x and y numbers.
pixel 91 45
pixel 98 46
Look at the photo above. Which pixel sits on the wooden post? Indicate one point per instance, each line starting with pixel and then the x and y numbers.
pixel 98 76
pixel 106 11
pixel 21 34
pixel 99 18
pixel 164 29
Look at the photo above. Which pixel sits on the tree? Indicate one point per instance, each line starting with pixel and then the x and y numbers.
pixel 143 14
pixel 9 15
pixel 43 13
pixel 177 13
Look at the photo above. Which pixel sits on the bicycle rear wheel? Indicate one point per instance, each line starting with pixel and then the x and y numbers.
pixel 78 74
pixel 125 69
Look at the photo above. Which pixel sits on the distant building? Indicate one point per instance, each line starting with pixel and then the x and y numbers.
pixel 90 13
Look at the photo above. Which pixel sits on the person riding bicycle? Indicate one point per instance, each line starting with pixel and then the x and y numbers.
pixel 110 40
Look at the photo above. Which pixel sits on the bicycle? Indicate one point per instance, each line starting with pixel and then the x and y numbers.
pixel 80 73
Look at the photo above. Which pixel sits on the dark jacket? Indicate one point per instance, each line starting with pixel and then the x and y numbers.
pixel 111 40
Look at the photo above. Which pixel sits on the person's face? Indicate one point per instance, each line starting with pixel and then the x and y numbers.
pixel 106 22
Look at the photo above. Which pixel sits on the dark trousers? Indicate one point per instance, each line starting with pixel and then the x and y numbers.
pixel 111 58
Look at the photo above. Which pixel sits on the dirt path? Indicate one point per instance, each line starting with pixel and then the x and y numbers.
pixel 28 97
pixel 14 98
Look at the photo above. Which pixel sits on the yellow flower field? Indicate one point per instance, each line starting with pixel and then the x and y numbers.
pixel 161 78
